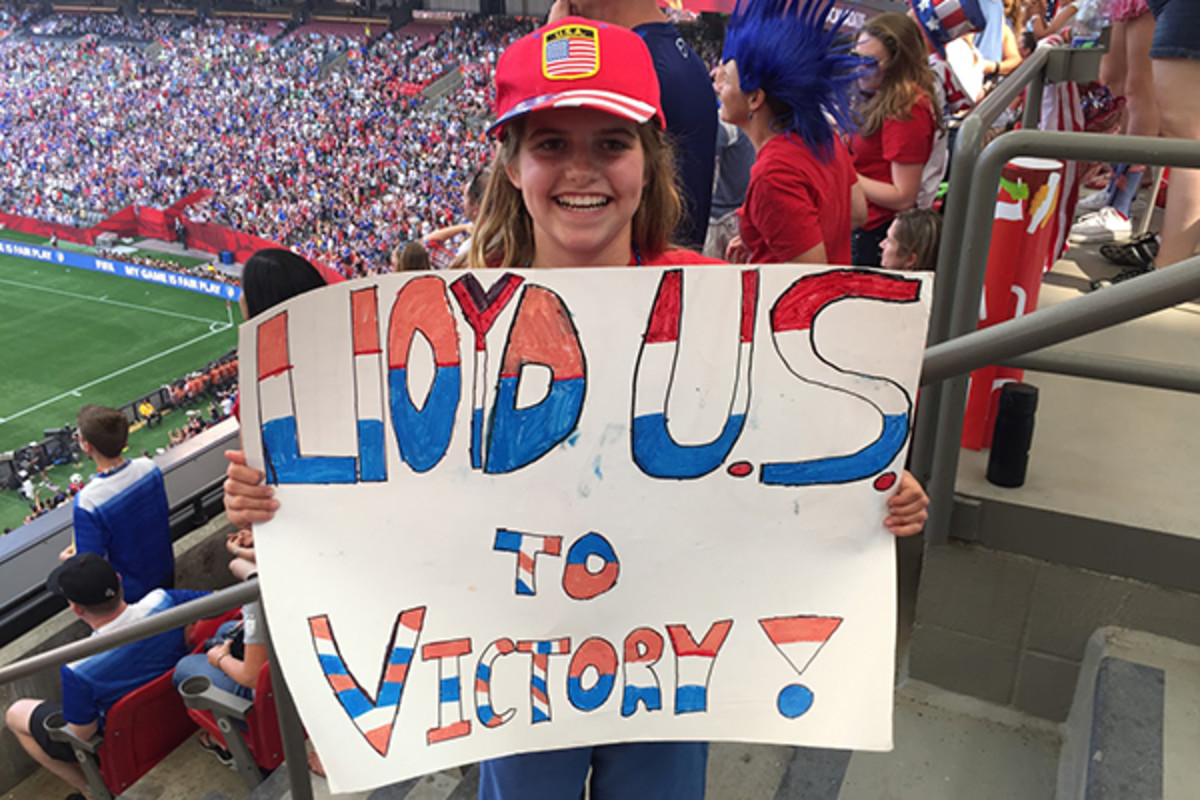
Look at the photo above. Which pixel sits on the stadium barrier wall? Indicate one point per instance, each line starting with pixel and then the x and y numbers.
pixel 162 277
pixel 66 233
pixel 159 224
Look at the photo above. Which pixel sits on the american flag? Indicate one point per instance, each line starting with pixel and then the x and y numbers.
pixel 571 56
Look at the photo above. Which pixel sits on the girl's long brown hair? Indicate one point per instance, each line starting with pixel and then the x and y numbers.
pixel 503 235
pixel 906 76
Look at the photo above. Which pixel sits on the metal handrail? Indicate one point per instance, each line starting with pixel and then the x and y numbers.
pixel 1152 292
pixel 201 608
pixel 940 420
pixel 1131 371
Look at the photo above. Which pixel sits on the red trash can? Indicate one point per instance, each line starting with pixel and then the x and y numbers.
pixel 1021 231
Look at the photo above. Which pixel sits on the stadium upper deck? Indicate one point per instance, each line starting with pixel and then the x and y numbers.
pixel 341 164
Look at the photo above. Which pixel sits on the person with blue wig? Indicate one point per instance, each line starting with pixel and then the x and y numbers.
pixel 787 82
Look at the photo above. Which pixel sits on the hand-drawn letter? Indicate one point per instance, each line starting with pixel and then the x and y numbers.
pixel 578 581
pixel 484 707
pixel 277 416
pixel 373 718
pixel 643 649
pixel 368 384
pixel 451 723
pixel 654 450
pixel 539 692
pixel 694 663
pixel 526 546
pixel 481 310
pixel 794 317
pixel 423 434
pixel 597 654
pixel 798 640
pixel 542 333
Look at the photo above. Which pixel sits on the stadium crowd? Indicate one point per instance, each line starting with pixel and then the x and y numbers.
pixel 339 166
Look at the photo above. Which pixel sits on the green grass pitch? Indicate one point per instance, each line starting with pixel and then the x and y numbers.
pixel 73 337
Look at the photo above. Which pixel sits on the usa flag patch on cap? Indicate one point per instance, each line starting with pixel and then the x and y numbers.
pixel 570 52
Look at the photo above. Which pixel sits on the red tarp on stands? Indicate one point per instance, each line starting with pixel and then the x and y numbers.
pixel 158 224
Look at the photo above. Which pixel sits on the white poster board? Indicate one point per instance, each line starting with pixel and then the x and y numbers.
pixel 531 510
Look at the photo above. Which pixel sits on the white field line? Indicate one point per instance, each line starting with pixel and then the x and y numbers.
pixel 76 391
pixel 106 301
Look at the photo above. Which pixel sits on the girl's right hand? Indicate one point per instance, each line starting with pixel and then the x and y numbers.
pixel 247 498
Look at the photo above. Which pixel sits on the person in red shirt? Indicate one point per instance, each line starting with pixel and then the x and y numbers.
pixel 898 126
pixel 783 77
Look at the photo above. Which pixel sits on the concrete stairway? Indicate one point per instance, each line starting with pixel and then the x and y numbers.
pixel 1134 727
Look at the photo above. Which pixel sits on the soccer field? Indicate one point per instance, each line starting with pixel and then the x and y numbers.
pixel 73 336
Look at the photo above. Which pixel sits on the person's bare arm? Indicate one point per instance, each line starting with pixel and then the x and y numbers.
pixel 449 232
pixel 245 670
pixel 901 193
pixel 813 255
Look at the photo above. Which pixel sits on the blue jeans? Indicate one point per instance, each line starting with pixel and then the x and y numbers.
pixel 197 664
pixel 633 771
pixel 1177 29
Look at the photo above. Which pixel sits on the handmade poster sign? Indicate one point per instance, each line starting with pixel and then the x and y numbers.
pixel 532 510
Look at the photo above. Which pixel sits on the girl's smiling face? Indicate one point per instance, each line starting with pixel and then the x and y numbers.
pixel 580 173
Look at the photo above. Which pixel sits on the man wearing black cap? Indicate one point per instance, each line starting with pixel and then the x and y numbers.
pixel 90 686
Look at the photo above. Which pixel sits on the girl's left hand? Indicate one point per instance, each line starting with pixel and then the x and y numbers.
pixel 907 508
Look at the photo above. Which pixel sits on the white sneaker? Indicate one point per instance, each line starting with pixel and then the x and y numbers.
pixel 1107 225
pixel 1093 202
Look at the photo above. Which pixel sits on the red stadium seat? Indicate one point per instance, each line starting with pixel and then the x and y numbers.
pixel 141 729
pixel 248 729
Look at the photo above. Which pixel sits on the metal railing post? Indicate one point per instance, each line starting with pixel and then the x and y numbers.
pixel 967 147
pixel 962 166
pixel 975 239
pixel 291 731
pixel 1031 117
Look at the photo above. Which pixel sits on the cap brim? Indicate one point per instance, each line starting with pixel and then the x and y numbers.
pixel 52 580
pixel 619 105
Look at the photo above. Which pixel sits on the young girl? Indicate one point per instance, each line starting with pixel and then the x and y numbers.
pixel 583 177
pixel 782 80
pixel 898 126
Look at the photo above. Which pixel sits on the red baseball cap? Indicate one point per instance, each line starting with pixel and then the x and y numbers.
pixel 577 63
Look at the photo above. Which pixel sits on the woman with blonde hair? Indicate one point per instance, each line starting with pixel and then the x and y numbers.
pixel 897 126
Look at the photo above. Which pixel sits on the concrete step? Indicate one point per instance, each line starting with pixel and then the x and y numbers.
pixel 1134 726
pixel 1013 630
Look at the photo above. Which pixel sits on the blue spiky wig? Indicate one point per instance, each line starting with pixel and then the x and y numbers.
pixel 783 48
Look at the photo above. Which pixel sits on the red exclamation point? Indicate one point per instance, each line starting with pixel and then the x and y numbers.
pixel 798 639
